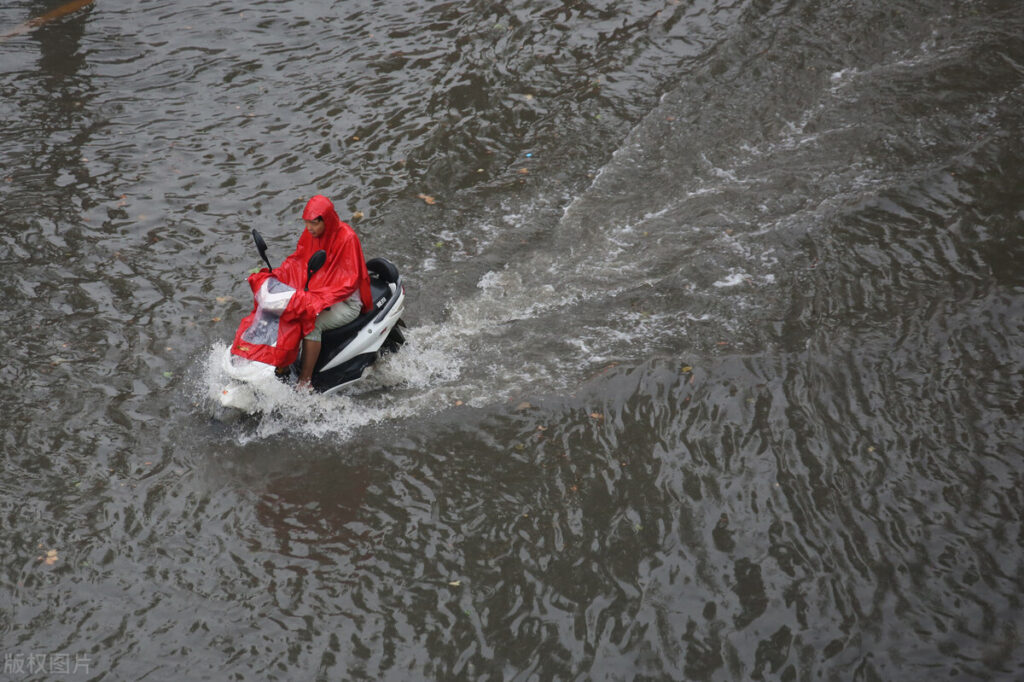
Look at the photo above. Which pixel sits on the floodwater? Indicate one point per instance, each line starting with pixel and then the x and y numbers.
pixel 716 337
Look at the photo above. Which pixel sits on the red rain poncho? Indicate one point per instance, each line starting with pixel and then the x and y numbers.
pixel 343 274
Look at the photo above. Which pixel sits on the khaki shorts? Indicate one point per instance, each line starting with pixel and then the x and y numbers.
pixel 339 314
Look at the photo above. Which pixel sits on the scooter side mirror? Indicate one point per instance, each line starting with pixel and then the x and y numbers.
pixel 261 246
pixel 316 261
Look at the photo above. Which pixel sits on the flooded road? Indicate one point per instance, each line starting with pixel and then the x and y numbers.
pixel 714 360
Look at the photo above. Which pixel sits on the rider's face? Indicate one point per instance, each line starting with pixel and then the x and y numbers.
pixel 315 227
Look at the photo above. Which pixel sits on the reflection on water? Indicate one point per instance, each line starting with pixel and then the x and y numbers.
pixel 713 368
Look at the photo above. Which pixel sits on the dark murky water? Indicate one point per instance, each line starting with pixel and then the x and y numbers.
pixel 715 359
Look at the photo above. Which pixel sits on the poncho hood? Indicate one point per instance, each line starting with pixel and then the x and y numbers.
pixel 344 273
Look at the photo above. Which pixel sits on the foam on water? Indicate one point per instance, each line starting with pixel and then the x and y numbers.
pixel 732 280
pixel 416 380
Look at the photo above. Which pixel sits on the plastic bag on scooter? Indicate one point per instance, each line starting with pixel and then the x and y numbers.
pixel 273 296
pixel 271 301
pixel 272 332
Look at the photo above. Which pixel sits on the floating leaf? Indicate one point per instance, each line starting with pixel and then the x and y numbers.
pixel 455 583
pixel 169 374
pixel 427 199
pixel 51 557
pixel 687 368
pixel 596 415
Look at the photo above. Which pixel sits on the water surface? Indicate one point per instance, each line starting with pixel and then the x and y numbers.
pixel 714 360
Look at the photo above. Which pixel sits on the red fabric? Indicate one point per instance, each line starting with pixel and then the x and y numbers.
pixel 343 274
pixel 289 334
